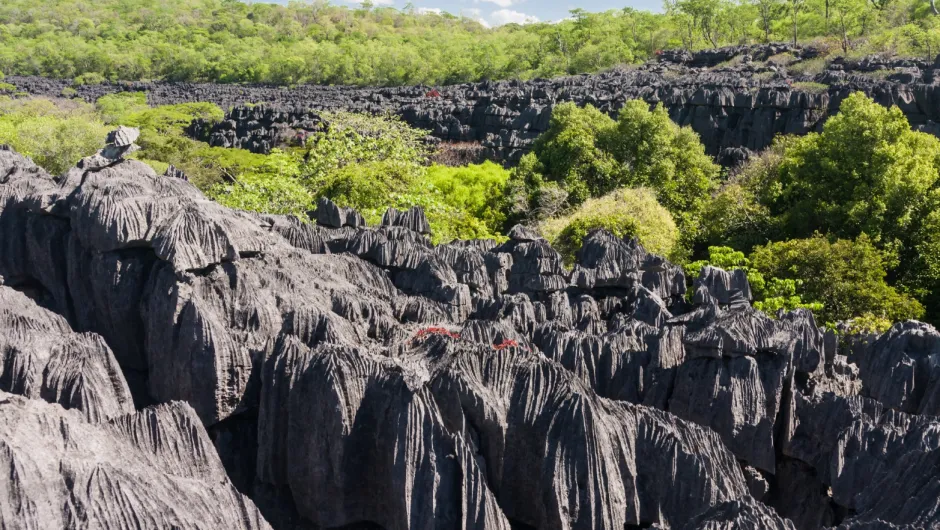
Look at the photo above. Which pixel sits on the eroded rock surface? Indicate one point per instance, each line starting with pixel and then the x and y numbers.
pixel 351 375
pixel 737 98
pixel 152 469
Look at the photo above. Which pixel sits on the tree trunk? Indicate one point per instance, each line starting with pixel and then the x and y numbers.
pixel 933 7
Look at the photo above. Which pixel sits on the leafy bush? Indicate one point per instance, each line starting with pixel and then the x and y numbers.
pixel 571 152
pixel 271 187
pixel 848 277
pixel 866 173
pixel 669 159
pixel 587 154
pixel 624 213
pixel 114 107
pixel 89 78
pixel 55 135
pixel 359 139
pixel 480 190
pixel 735 218
pixel 771 294
pixel 371 164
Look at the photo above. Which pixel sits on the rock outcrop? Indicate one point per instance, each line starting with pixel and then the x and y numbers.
pixel 737 99
pixel 152 469
pixel 40 357
pixel 350 375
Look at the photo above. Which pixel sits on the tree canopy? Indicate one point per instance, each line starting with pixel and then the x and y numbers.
pixel 314 42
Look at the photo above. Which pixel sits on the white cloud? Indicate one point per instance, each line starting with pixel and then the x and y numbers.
pixel 475 14
pixel 502 3
pixel 374 2
pixel 508 16
pixel 428 11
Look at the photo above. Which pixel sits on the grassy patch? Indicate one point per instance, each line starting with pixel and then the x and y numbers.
pixel 811 87
pixel 809 67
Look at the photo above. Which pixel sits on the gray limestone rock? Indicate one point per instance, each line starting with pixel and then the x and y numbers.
pixel 151 469
pixel 40 357
pixel 739 514
pixel 354 375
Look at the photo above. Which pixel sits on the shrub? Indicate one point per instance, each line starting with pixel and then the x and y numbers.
pixel 55 135
pixel 771 294
pixel 587 154
pixel 114 107
pixel 360 139
pixel 480 190
pixel 90 78
pixel 569 152
pixel 273 187
pixel 735 218
pixel 624 213
pixel 665 157
pixel 848 277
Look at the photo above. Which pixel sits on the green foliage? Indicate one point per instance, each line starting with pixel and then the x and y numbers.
pixel 480 190
pixel 89 78
pixel 371 163
pixel 669 159
pixel 848 277
pixel 866 173
pixel 734 217
pixel 571 152
pixel 271 187
pixel 624 213
pixel 866 323
pixel 315 42
pixel 353 139
pixel 771 294
pixel 114 107
pixel 587 154
pixel 7 88
pixel 54 136
pixel 301 42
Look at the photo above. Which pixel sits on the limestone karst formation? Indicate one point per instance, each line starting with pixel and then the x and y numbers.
pixel 737 98
pixel 168 362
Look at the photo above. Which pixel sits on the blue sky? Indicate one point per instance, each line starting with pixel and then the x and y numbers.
pixel 497 12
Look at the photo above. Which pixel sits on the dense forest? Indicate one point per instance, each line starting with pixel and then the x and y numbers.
pixel 231 41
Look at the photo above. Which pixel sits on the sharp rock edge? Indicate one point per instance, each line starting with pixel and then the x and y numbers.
pixel 351 374
pixel 151 469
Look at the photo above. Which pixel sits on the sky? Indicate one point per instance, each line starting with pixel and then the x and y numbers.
pixel 499 12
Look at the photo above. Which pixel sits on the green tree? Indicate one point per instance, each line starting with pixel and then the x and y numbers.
pixel 655 152
pixel 587 154
pixel 847 277
pixel 570 152
pixel 624 213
